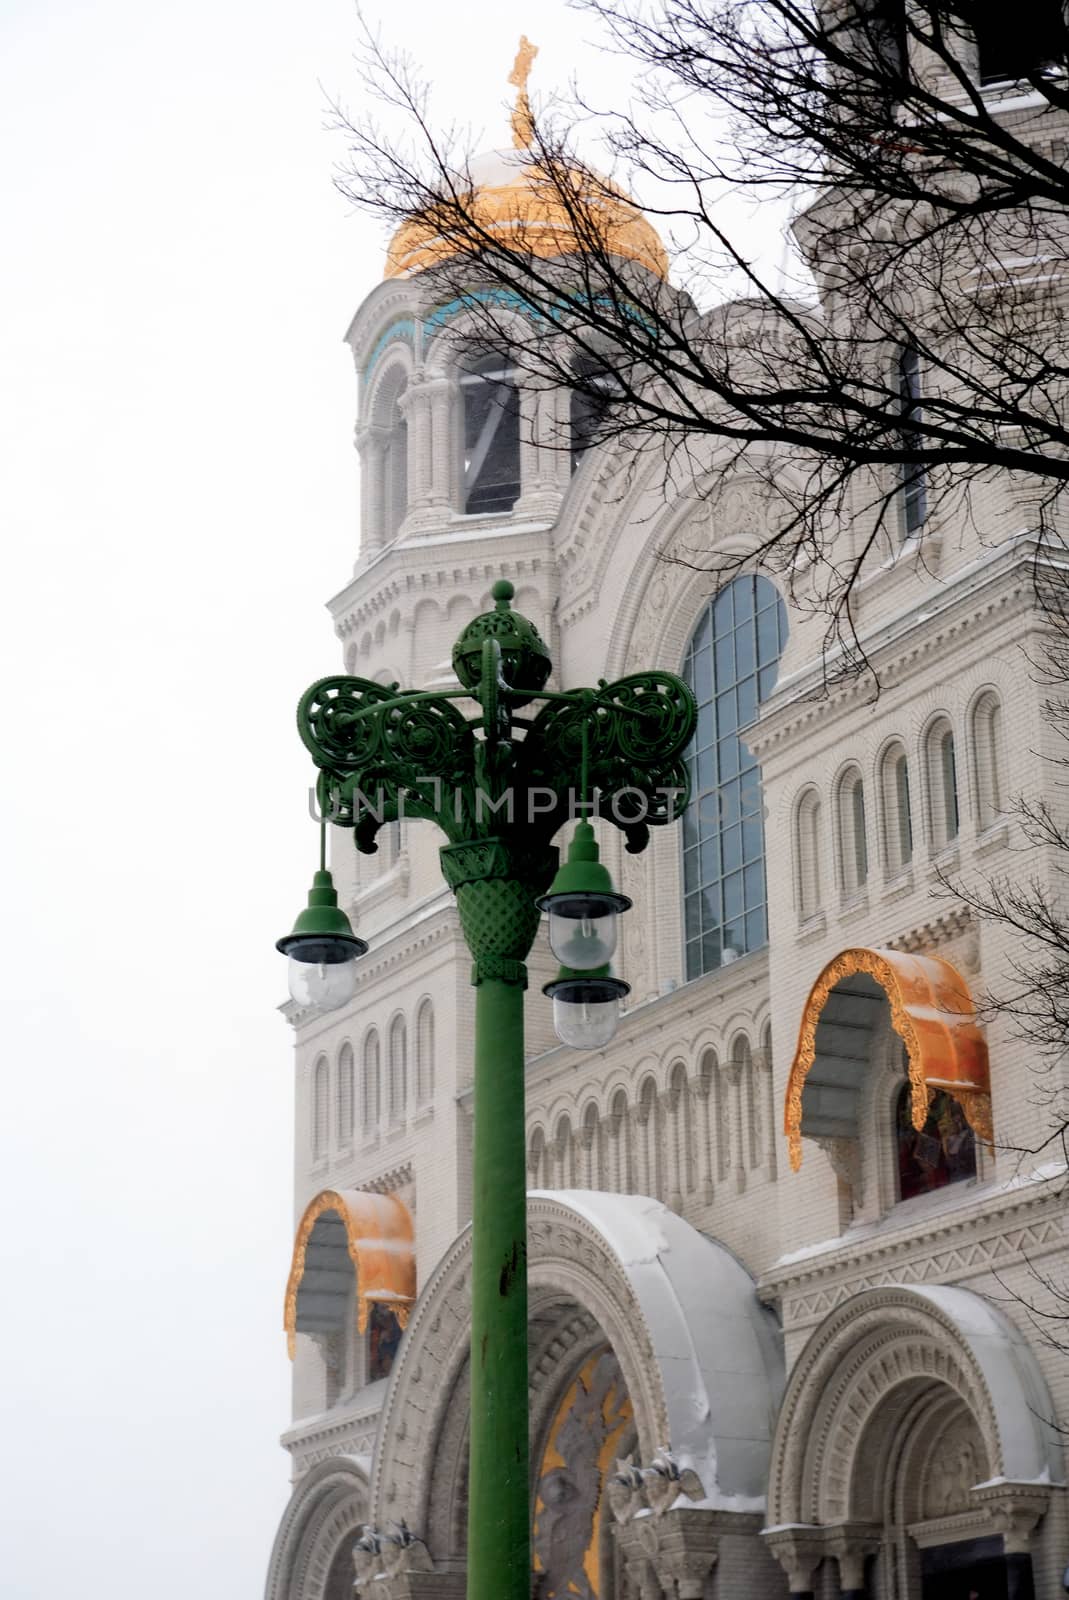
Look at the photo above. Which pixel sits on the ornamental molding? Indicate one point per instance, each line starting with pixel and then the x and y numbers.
pixel 400 575
pixel 898 651
pixel 384 959
pixel 996 1232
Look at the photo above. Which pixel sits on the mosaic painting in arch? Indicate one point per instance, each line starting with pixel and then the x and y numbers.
pixel 589 1428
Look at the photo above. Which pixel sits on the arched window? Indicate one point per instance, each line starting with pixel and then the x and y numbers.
pixel 682 1141
pixel 394 479
pixel 345 1094
pixel 853 832
pixel 491 407
pixel 320 1108
pixel 987 759
pixel 1015 46
pixel 808 854
pixel 591 1143
pixel 897 814
pixel 620 1135
pixel 731 666
pixel 913 491
pixel 943 1152
pixel 564 1151
pixel 424 1053
pixel 649 1138
pixel 397 1069
pixel 942 783
pixel 750 1111
pixel 537 1162
pixel 589 406
pixel 371 1084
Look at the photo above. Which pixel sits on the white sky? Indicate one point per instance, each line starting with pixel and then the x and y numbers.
pixel 178 497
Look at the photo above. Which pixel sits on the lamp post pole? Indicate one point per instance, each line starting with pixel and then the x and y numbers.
pixel 499 785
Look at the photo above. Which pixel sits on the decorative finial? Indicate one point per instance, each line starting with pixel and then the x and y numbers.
pixel 522 120
pixel 502 592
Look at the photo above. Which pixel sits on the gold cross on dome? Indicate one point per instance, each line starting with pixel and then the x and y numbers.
pixel 522 120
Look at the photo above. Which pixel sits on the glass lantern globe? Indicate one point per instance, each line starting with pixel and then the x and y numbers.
pixel 586 1007
pixel 583 907
pixel 323 950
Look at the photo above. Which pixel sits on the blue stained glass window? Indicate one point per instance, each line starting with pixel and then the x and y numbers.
pixel 723 828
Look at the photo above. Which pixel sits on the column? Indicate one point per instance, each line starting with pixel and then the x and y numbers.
pixel 370 447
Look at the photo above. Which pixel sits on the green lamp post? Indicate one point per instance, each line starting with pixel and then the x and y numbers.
pixel 500 785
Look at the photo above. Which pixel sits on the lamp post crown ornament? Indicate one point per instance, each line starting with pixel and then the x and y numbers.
pixel 499 785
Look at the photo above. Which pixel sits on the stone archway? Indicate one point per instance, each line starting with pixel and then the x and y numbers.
pixel 632 1305
pixel 312 1554
pixel 916 1448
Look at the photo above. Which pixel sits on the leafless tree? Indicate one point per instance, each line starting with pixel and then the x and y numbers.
pixel 915 352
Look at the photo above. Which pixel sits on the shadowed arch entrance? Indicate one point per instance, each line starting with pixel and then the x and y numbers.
pixel 915 1448
pixel 642 1332
pixel 312 1554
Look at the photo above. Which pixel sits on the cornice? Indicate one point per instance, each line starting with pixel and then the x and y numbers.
pixel 852 1258
pixel 406 573
pixel 907 644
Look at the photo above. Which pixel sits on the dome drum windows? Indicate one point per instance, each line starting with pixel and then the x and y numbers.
pixel 731 666
pixel 490 406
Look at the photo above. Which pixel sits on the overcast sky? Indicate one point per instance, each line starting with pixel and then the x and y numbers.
pixel 178 495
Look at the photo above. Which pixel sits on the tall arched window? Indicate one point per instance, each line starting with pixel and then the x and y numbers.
pixel 942 783
pixel 320 1107
pixel 345 1093
pixel 987 760
pixel 491 407
pixel 731 666
pixel 913 485
pixel 589 406
pixel 749 1110
pixel 897 811
pixel 371 1083
pixel 564 1152
pixel 620 1140
pixel 808 854
pixel 536 1161
pixel 853 832
pixel 590 1141
pixel 424 1053
pixel 394 481
pixel 397 1069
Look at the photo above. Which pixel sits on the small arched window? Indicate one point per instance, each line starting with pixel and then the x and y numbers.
pixel 942 783
pixel 371 1083
pixel 424 1053
pixel 913 489
pixel 750 1111
pixel 345 1094
pixel 620 1132
pixel 564 1153
pixel 320 1108
pixel 393 487
pixel 808 870
pixel 943 1152
pixel 537 1162
pixel 397 1069
pixel 987 760
pixel 731 665
pixel 491 428
pixel 897 813
pixel 591 1143
pixel 853 833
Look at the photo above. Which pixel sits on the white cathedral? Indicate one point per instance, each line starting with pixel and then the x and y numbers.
pixel 740 1243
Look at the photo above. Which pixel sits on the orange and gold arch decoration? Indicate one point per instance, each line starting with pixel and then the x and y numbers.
pixel 933 1013
pixel 380 1239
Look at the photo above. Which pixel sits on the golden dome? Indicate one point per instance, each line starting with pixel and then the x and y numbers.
pixel 517 202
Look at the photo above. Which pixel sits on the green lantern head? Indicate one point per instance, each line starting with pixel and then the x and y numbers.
pixel 525 660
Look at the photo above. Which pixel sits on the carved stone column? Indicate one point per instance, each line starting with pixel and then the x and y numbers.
pixel 1014 1510
pixel 799 1550
pixel 371 447
pixel 415 407
pixel 443 400
pixel 851 1543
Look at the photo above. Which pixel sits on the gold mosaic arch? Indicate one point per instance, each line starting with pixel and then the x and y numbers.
pixel 380 1239
pixel 933 1013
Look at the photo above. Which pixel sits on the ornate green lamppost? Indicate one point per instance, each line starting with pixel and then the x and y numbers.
pixel 499 785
